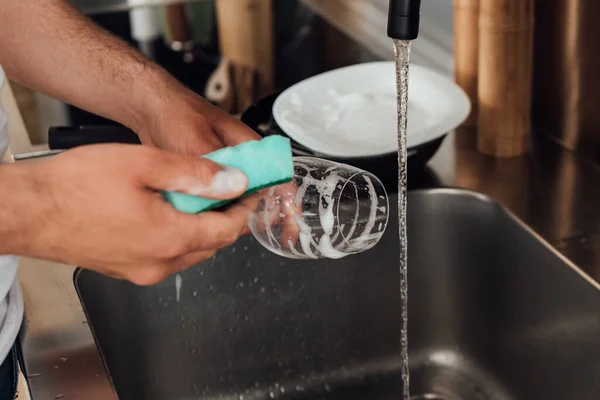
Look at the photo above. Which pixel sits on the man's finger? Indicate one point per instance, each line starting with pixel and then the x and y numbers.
pixel 191 259
pixel 230 130
pixel 193 175
pixel 213 230
pixel 290 230
pixel 268 214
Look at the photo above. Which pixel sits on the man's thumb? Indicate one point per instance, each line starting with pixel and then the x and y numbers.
pixel 196 176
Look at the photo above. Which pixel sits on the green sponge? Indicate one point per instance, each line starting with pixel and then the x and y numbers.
pixel 267 162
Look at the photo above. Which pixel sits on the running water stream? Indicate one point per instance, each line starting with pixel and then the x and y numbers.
pixel 402 51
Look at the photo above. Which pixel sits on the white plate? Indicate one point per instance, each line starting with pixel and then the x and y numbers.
pixel 351 111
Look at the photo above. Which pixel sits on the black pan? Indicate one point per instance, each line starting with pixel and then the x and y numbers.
pixel 68 137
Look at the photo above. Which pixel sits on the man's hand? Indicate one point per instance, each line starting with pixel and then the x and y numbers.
pixel 183 122
pixel 100 207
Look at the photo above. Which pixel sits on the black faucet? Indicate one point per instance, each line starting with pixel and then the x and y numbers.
pixel 403 19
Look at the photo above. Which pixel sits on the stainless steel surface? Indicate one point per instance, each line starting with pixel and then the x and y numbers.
pixel 494 314
pixel 566 79
pixel 106 6
pixel 35 154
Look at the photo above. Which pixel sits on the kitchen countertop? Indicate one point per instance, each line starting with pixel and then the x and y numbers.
pixel 550 189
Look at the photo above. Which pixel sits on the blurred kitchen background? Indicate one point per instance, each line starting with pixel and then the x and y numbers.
pixel 271 44
pixel 267 45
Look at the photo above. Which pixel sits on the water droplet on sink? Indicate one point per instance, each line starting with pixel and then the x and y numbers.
pixel 195 293
pixel 63 359
pixel 59 396
pixel 272 395
pixel 178 282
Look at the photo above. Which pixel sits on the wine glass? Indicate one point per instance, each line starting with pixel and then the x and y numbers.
pixel 329 210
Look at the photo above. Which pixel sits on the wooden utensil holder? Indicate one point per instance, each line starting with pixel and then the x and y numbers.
pixel 246 40
pixel 466 51
pixel 505 76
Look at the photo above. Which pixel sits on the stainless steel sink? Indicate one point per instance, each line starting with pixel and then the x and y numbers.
pixel 494 314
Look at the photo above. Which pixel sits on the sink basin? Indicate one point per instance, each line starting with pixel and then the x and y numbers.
pixel 494 314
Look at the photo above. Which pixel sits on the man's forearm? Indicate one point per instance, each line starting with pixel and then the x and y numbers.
pixel 17 211
pixel 48 46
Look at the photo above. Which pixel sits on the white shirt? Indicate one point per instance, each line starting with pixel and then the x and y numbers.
pixel 11 298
